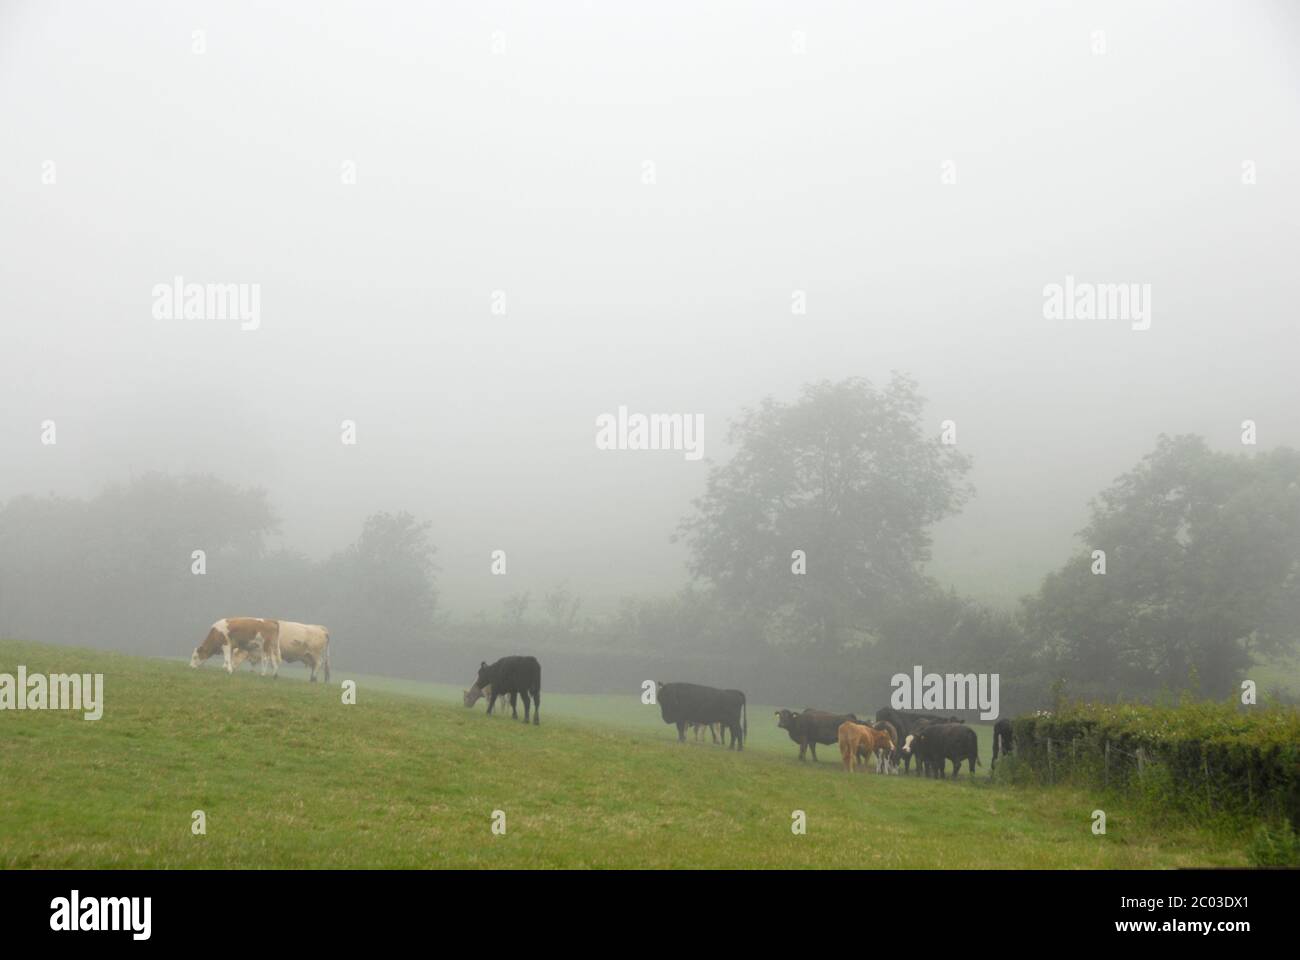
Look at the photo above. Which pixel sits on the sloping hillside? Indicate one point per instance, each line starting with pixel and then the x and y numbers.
pixel 288 775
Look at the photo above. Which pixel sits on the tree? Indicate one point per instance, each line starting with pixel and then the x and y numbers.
pixel 845 474
pixel 562 607
pixel 82 571
pixel 1202 575
pixel 385 580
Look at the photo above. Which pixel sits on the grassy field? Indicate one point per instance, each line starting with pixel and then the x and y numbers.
pixel 289 776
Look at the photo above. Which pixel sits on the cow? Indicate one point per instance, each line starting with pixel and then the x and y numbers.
pixel 237 639
pixel 937 743
pixel 907 722
pixel 300 643
pixel 506 678
pixel 1001 739
pixel 686 703
pixel 891 761
pixel 858 742
pixel 811 727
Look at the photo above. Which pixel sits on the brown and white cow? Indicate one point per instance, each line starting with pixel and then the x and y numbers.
pixel 237 639
pixel 301 643
pixel 859 742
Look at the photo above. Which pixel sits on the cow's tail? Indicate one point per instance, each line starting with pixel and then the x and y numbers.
pixel 326 659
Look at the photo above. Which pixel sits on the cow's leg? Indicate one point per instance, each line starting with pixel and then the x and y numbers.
pixel 313 663
pixel 681 731
pixel 225 655
pixel 537 706
pixel 813 747
pixel 514 705
pixel 714 729
pixel 492 700
pixel 524 695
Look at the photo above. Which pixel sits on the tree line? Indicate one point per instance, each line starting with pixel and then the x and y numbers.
pixel 809 543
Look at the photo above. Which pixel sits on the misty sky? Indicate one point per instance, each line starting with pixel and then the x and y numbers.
pixel 503 147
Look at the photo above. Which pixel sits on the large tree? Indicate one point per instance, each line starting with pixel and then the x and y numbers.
pixel 848 473
pixel 380 589
pixel 1202 573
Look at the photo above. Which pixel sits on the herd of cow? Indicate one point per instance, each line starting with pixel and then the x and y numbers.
pixel 894 739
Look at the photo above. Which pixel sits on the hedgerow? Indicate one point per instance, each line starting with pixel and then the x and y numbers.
pixel 1205 757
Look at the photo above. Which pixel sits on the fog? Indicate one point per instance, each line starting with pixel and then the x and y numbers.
pixel 477 227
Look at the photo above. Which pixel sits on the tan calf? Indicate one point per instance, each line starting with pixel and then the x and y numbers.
pixel 858 742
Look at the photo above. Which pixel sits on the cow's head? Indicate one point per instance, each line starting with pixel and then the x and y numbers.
pixel 473 695
pixel 194 659
pixel 785 719
pixel 666 697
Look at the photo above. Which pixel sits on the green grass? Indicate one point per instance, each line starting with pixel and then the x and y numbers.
pixel 288 776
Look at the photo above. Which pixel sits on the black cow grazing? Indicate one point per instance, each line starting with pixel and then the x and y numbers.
pixel 812 727
pixel 907 722
pixel 1001 739
pixel 505 678
pixel 937 743
pixel 687 703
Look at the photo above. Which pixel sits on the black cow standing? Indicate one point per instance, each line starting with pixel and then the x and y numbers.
pixel 1001 739
pixel 505 678
pixel 812 727
pixel 907 723
pixel 936 743
pixel 686 703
